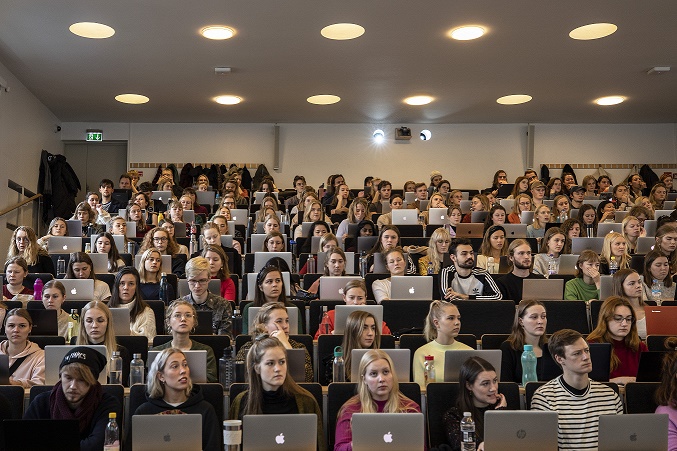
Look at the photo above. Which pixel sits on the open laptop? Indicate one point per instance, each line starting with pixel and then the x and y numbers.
pixel 411 288
pixel 54 435
pixel 659 213
pixel 293 313
pixel 227 240
pixel 478 216
pixel 197 362
pixel 520 429
pixel 409 197
pixel 650 366
pixel 166 266
pixel 604 228
pixel 405 216
pixel 515 230
pixel 167 432
pixel 205 197
pixel 260 195
pixel 365 243
pixel 121 320
pixel 305 228
pixel 661 320
pixel 296 364
pixel 257 240
pixel 650 227
pixel 44 322
pixel 251 284
pixel 527 217
pixel 74 227
pixel 388 431
pixel 240 216
pixel 470 230
pixel 385 207
pixel 401 360
pixel 100 262
pixel 645 244
pixel 261 258
pixel 580 244
pixel 508 204
pixel 543 289
pixel 350 264
pixel 214 287
pixel 119 241
pixel 606 286
pixel 341 313
pixel 293 432
pixel 620 215
pixel 504 191
pixel 315 244
pixel 380 265
pixel 162 196
pixel 54 354
pixel 331 288
pixel 188 216
pixel 79 289
pixel 567 264
pixel 633 432
pixel 465 206
pixel 131 231
pixel 454 359
pixel 437 216
pixel 65 244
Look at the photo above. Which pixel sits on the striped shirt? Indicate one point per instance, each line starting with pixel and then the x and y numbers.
pixel 578 421
pixel 478 285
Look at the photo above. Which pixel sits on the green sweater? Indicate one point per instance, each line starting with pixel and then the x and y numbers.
pixel 211 360
pixel 577 289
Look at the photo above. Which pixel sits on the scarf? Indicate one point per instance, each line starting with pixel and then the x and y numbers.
pixel 60 410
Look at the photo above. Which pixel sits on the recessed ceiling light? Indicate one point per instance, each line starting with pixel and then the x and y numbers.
pixel 228 100
pixel 418 100
pixel 217 32
pixel 514 99
pixel 323 99
pixel 609 100
pixel 593 31
pixel 342 31
pixel 467 32
pixel 91 30
pixel 134 99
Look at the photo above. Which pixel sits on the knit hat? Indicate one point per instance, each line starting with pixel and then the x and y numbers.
pixel 435 174
pixel 88 357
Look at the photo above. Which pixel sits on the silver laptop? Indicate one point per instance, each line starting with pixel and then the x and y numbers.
pixel 293 432
pixel 100 262
pixel 213 287
pixel 527 217
pixel 508 204
pixel 409 197
pixel 305 228
pixel 380 265
pixel 260 195
pixel 669 205
pixel 620 215
pixel 437 216
pixel 261 258
pixel 385 207
pixel 594 202
pixel 645 244
pixel 167 432
pixel 240 216
pixel 293 313
pixel 606 286
pixel 257 240
pixel 188 216
pixel 401 360
pixel 205 197
pixel 454 359
pixel 123 213
pixel 580 244
pixel 470 230
pixel 131 231
pixel 65 244
pixel 162 196
pixel 465 206
pixel 543 289
pixel 121 320
pixel 388 431
pixel 350 263
pixel 650 227
pixel 405 216
pixel 54 354
pixel 197 362
pixel 567 264
pixel 74 227
pixel 341 313
pixel 315 244
pixel 251 284
pixel 423 205
pixel 331 287
pixel 520 429
pixel 478 216
pixel 119 241
pixel 79 289
pixel 411 288
pixel 633 432
pixel 166 262
pixel 227 240
pixel 515 230
pixel 604 228
pixel 659 213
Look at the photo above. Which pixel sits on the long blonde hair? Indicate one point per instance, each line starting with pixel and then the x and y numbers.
pixel 33 250
pixel 435 313
pixel 436 257
pixel 108 336
pixel 624 261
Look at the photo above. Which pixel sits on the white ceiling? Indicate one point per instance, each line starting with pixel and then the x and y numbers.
pixel 279 59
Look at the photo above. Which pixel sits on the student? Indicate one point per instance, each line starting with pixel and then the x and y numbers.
pixel 187 203
pixel 621 197
pixel 313 212
pixel 478 393
pixel 300 187
pixel 577 196
pixel 24 244
pixel 269 288
pixel 317 228
pixel 105 244
pixel 496 217
pixel 26 359
pixel 560 209
pixel 378 390
pixel 80 266
pixel 86 216
pixel 537 189
pixel 170 390
pixel 628 285
pixel 657 268
pixel 603 184
pixel 212 236
pixel 614 247
pixel 356 213
pixel 551 248
pixel 492 249
pixel 463 280
pixel 57 227
pixel 522 203
pixel 666 243
pixel 479 202
pixel 528 328
pixel 271 389
pixel 16 270
pixel 180 322
pixel 631 231
pixel 588 280
pixel 107 202
pixel 438 247
pixel 436 201
pixel 666 393
pixel 511 284
pixel 94 201
pixel 168 225
pixel 521 186
pixel 554 189
pixel 328 241
pixel 53 296
pixel 396 203
pixel 160 239
pixel 334 266
pixel 577 400
pixel 135 214
pixel 149 269
pixel 590 185
pixel 541 219
pixel 389 237
pixel 274 242
pixel 118 226
pixel 571 228
pixel 396 264
pixel 421 191
pixel 127 293
pixel 78 395
pixel 271 223
pixel 218 269
pixel 442 326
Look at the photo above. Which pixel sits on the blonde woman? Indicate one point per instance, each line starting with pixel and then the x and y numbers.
pixel 631 231
pixel 314 212
pixel 614 246
pixel 541 218
pixel 356 212
pixel 24 243
pixel 438 247
pixel 522 203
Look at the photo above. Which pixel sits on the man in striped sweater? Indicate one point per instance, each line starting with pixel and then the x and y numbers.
pixel 577 400
pixel 463 280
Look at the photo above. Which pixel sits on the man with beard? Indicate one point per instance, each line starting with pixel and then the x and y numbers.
pixel 463 280
pixel 519 254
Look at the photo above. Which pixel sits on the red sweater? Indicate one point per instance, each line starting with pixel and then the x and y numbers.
pixel 629 359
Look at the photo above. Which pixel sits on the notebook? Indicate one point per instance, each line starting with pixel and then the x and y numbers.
pixel 520 429
pixel 350 263
pixel 331 288
pixel 44 322
pixel 100 262
pixel 20 435
pixel 262 258
pixel 65 244
pixel 166 266
pixel 292 432
pixel 515 230
pixel 661 320
pixel 633 432
pixel 604 228
pixel 454 359
pixel 470 230
pixel 167 432
pixel 79 289
pixel 54 354
pixel 341 313
pixel 567 264
pixel 543 289
pixel 120 320
pixel 197 362
pixel 251 284
pixel 213 287
pixel 401 361
pixel 411 288
pixel 580 244
pixel 162 196
pixel 437 216
pixel 293 313
pixel 388 431
pixel 74 227
pixel 405 216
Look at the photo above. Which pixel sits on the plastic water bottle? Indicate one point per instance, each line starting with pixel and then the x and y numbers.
pixel 285 217
pixel 552 265
pixel 431 270
pixel 324 322
pixel 364 264
pixel 564 216
pixel 164 286
pixel 130 248
pixel 613 265
pixel 74 319
pixel 311 265
pixel 111 441
pixel 136 370
pixel 193 244
pixel 339 366
pixel 217 198
pixel 528 365
pixel 467 433
pixel 37 289
pixel 88 248
pixel 227 368
pixel 236 323
pixel 115 370
pixel 429 369
pixel 657 291
pixel 60 266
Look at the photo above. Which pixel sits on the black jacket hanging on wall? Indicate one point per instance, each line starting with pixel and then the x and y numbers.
pixel 58 184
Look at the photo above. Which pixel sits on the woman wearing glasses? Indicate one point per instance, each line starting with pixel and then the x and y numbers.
pixel 24 243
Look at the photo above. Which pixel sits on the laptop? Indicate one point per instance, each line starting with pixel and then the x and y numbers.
pixel 296 364
pixel 4 369
pixel 620 215
pixel 437 216
pixel 167 432
pixel 527 217
pixel 454 359
pixel 604 228
pixel 515 230
pixel 54 354
pixel 633 432
pixel 659 213
pixel 205 197
pixel 650 366
pixel 260 195
pixel 380 265
pixel 350 264
pixel 341 313
pixel 257 240
pixel 262 258
pixel 74 227
pixel 240 216
pixel 478 216
pixel 293 432
pixel 162 196
pixel 580 244
pixel 131 230
pixel 401 360
pixel 606 286
pixel 508 204
pixel 331 288
pixel 121 320
pixel 409 197
pixel 465 206
pixel 79 289
pixel 305 228
pixel 567 264
pixel 650 227
pixel 315 244
pixel 470 230
pixel 44 322
pixel 520 429
pixel 21 435
pixel 100 262
pixel 65 244
pixel 293 313
pixel 388 431
pixel 166 266
pixel 543 289
pixel 227 240
pixel 251 284
pixel 411 288
pixel 188 217
pixel 505 191
pixel 645 244
pixel 385 207
pixel 661 320
pixel 366 243
pixel 405 216
pixel 197 362
pixel 214 287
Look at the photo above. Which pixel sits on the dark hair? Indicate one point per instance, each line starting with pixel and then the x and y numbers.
pixel 139 304
pixel 488 222
pixel 79 257
pixel 468 373
pixel 600 208
pixel 666 393
pixel 299 177
pixel 259 298
pixel 459 242
pixel 649 258
pixel 106 182
pixel 377 246
pixel 113 254
pixel 581 211
pixel 560 339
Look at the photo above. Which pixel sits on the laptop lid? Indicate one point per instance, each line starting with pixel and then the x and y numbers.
pixel 167 432
pixel 505 191
pixel 79 289
pixel 131 230
pixel 409 197
pixel 331 288
pixel 365 243
pixel 293 432
pixel 305 228
pixel 465 206
pixel 401 360
pixel 350 264
pixel 606 286
pixel 293 313
pixel 197 362
pixel 423 205
pixel 470 230
pixel 411 288
pixel 4 369
pixel 21 435
pixel 240 216
pixel 341 313
pixel 543 289
pixel 579 244
pixel 649 367
pixel 437 216
pixel 385 207
pixel 260 195
pixel 515 230
pixel 645 244
pixel 567 264
pixel 54 354
pixel 65 244
pixel 44 322
pixel 121 320
pixel 659 213
pixel 391 431
pixel 527 217
pixel 603 228
pixel 520 429
pixel 227 240
pixel 214 287
pixel 633 432
pixel 454 359
pixel 261 258
pixel 257 240
pixel 74 227
pixel 661 320
pixel 188 216
pixel 205 197
pixel 405 216
pixel 315 244
pixel 251 284
pixel 478 216
pixel 166 262
pixel 100 262
pixel 650 227
pixel 162 196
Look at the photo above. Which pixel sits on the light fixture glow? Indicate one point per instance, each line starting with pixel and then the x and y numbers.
pixel 418 100
pixel 133 99
pixel 217 32
pixel 91 30
pixel 425 135
pixel 593 31
pixel 379 135
pixel 467 32
pixel 228 100
pixel 514 99
pixel 609 100
pixel 342 31
pixel 323 99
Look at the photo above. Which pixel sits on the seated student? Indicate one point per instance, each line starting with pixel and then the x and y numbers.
pixel 666 243
pixel 168 225
pixel 551 248
pixel 118 226
pixel 170 391
pixel 16 270
pixel 378 391
pixel 94 201
pixel 657 269
pixel 107 202
pixel 396 264
pixel 274 242
pixel 528 328
pixel 493 247
pixel 522 203
pixel 561 208
pixel 578 400
pixel 79 396
pixel 26 359
pixel 85 214
pixel 24 244
pixel 479 202
pixel 180 321
pixel 53 295
pixel 521 186
pixel 105 244
pixel 186 203
pixel 588 280
pixel 438 247
pixel 197 208
pixel 328 241
pixel 631 231
pixel 396 203
pixel 606 212
pixel 496 217
pixel 334 266
pixel 571 228
pixel 197 273
pixel 218 269
pixel 135 214
pixel 160 239
pixel 356 213
pixel 271 223
pixel 463 280
pixel 541 219
pixel 337 207
pixel 628 285
pixel 57 227
pixel 389 237
pixel 587 215
pixel 211 233
pixel 511 284
pixel 317 228
pixel 127 293
pixel 666 393
pixel 442 326
pixel 312 213
pixel 614 248
pixel 150 274
pixel 143 201
pixel 269 288
pixel 354 293
pixel 478 393
pixel 271 390
pixel 80 266
pixel 365 228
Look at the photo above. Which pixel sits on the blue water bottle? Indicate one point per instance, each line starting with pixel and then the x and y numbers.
pixel 528 365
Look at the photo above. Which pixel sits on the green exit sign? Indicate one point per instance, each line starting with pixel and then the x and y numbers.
pixel 94 135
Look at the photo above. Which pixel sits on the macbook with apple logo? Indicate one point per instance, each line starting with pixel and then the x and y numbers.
pixel 167 432
pixel 79 289
pixel 411 288
pixel 292 432
pixel 65 244
pixel 388 431
pixel 633 432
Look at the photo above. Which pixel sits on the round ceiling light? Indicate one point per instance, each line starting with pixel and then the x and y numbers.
pixel 593 31
pixel 133 99
pixel 514 99
pixel 418 100
pixel 228 100
pixel 92 30
pixel 217 32
pixel 342 31
pixel 609 100
pixel 323 99
pixel 467 32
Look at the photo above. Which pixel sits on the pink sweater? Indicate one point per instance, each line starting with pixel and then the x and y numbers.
pixel 32 370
